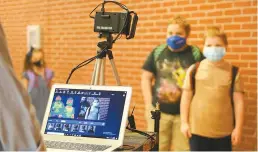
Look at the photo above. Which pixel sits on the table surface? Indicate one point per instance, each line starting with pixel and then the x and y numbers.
pixel 136 142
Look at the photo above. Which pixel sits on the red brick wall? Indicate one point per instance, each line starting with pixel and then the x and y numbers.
pixel 68 39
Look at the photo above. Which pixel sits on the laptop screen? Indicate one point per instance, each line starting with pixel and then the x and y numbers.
pixel 86 113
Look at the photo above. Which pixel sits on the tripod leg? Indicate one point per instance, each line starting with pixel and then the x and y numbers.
pixel 102 71
pixel 94 73
pixel 115 72
pixel 97 73
pixel 112 62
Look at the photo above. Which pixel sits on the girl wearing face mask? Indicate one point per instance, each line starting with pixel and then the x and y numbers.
pixel 37 80
pixel 206 110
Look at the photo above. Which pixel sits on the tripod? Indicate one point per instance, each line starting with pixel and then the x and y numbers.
pixel 98 76
pixel 155 114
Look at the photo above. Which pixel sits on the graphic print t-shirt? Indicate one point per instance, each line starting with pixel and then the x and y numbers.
pixel 169 69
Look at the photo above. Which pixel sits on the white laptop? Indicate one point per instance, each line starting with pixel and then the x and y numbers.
pixel 86 118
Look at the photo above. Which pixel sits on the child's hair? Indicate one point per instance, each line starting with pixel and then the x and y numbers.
pixel 27 62
pixel 182 22
pixel 215 31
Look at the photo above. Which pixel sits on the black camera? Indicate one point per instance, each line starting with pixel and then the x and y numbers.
pixel 121 23
pixel 115 23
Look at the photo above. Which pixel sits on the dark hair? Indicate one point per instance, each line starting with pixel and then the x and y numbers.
pixel 27 62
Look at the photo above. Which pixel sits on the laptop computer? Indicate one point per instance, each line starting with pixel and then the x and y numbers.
pixel 86 118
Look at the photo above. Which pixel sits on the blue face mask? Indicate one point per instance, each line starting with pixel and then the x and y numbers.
pixel 176 42
pixel 214 53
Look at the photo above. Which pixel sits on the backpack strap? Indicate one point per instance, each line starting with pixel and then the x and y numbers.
pixel 31 80
pixel 234 74
pixel 196 66
pixel 158 50
pixel 196 52
pixel 48 75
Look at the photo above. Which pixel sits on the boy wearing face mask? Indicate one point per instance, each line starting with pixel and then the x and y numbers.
pixel 167 64
pixel 37 80
pixel 207 114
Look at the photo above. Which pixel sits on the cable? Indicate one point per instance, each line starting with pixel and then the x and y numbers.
pixel 94 10
pixel 141 132
pixel 84 63
pixel 74 69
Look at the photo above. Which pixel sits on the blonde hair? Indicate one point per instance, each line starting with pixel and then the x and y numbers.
pixel 181 21
pixel 215 31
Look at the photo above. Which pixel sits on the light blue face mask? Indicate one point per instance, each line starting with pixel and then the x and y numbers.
pixel 214 53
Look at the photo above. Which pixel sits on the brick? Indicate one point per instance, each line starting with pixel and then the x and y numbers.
pixel 224 5
pixel 206 21
pixel 249 42
pixel 250 10
pixel 153 5
pixel 242 4
pixel 242 34
pixel 252 109
pixel 176 9
pixel 249 72
pixel 148 24
pixel 250 86
pixel 192 22
pixel 249 26
pixel 198 1
pixel 233 42
pixel 161 10
pixel 232 56
pixel 224 20
pixel 169 3
pixel 248 57
pixel 198 14
pixel 182 2
pixel 206 7
pixel 215 13
pixel 253 49
pixel 244 19
pixel 240 63
pixel 253 80
pixel 253 95
pixel 191 8
pixel 233 12
pixel 239 49
pixel 253 65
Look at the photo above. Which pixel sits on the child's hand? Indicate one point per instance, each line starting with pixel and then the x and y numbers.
pixel 236 136
pixel 185 129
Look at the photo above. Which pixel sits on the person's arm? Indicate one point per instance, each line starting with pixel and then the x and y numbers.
pixel 25 83
pixel 186 99
pixel 19 128
pixel 148 74
pixel 238 97
pixel 146 86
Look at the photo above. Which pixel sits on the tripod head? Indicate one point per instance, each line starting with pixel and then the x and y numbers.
pixel 108 44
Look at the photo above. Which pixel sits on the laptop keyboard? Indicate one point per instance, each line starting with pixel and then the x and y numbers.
pixel 75 146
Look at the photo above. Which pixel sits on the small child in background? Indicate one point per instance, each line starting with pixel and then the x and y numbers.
pixel 37 80
pixel 212 104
